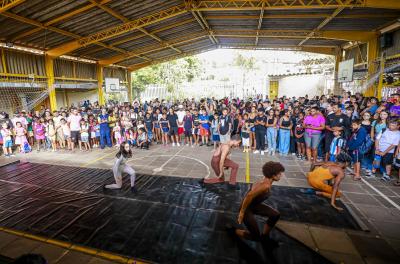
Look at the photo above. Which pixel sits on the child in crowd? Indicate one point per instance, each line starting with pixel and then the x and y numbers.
pixel 7 140
pixel 97 133
pixel 20 136
pixel 357 138
pixel 187 126
pixel 204 127
pixel 246 136
pixel 196 127
pixel 337 145
pixel 117 135
pixel 52 134
pixel 66 132
pixel 142 139
pixel 385 147
pixel 299 137
pixel 40 133
pixel 84 135
pixel 92 130
pixel 164 129
pixel 214 129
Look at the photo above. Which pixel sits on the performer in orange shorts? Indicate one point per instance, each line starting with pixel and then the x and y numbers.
pixel 321 172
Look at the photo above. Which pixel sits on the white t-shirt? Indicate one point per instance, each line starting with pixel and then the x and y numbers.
pixel 74 122
pixel 20 119
pixel 181 115
pixel 389 138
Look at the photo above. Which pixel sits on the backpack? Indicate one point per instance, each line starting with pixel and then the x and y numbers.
pixel 27 148
pixel 366 146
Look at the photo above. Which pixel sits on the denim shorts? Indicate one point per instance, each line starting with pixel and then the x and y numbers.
pixel 312 140
pixel 8 144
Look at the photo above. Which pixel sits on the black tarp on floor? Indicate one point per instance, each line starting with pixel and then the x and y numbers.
pixel 170 220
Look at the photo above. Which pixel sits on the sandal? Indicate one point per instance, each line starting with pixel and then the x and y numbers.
pixel 357 178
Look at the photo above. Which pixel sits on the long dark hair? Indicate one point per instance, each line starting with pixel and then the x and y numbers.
pixel 123 152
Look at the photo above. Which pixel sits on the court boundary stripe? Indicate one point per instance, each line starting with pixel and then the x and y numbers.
pixel 73 247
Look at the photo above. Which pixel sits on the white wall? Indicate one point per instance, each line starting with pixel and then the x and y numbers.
pixel 301 85
pixel 75 97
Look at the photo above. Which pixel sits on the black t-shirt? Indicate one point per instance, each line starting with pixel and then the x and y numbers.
pixel 196 121
pixel 260 119
pixel 341 120
pixel 224 124
pixel 148 122
pixel 172 119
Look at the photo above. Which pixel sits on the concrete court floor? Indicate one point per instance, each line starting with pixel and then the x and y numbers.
pixel 375 203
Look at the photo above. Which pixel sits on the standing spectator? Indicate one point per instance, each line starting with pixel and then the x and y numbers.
pixel 20 136
pixel 188 126
pixel 357 138
pixel 39 131
pixel 214 130
pixel 104 129
pixel 335 121
pixel 74 121
pixel 314 124
pixel 395 108
pixel 299 136
pixel 181 114
pixel 225 127
pixel 271 131
pixel 204 127
pixel 7 140
pixel 260 122
pixel 285 127
pixel 173 127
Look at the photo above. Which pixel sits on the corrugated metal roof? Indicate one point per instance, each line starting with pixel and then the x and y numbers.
pixel 95 19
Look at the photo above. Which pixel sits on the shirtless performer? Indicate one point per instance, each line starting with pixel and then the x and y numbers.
pixel 253 205
pixel 326 171
pixel 220 161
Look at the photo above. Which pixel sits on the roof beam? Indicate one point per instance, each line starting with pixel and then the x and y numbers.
pixel 126 20
pixel 152 32
pixel 323 23
pixel 260 19
pixel 204 25
pixel 315 49
pixel 117 30
pixel 232 5
pixel 59 31
pixel 7 4
pixel 295 34
pixel 153 48
pixel 298 16
pixel 57 19
pixel 192 52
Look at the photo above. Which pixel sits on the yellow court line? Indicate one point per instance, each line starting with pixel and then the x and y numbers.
pixel 247 167
pixel 86 250
pixel 98 159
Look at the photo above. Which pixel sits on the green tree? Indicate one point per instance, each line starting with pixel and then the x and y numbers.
pixel 247 65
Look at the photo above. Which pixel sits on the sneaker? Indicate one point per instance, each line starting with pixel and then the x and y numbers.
pixel 244 151
pixel 293 153
pixel 262 153
pixel 192 146
pixel 187 145
pixel 385 178
pixel 178 144
pixel 256 152
pixel 173 144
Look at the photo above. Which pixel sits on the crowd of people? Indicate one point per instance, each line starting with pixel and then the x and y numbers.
pixel 313 129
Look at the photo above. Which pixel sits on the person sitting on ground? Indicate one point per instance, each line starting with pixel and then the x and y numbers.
pixel 326 171
pixel 142 139
pixel 252 205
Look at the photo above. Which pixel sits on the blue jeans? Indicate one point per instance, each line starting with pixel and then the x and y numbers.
pixel 105 137
pixel 284 141
pixel 271 138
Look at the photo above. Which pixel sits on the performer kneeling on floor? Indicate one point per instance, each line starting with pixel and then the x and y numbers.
pixel 220 161
pixel 252 205
pixel 120 166
pixel 320 172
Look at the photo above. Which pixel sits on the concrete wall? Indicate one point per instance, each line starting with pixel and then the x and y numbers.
pixel 301 85
pixel 75 97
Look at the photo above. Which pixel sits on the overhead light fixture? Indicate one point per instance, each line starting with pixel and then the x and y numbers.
pixel 391 27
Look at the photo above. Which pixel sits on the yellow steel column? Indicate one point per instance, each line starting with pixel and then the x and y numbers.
pixel 100 91
pixel 3 60
pixel 378 93
pixel 372 55
pixel 49 63
pixel 337 89
pixel 129 86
